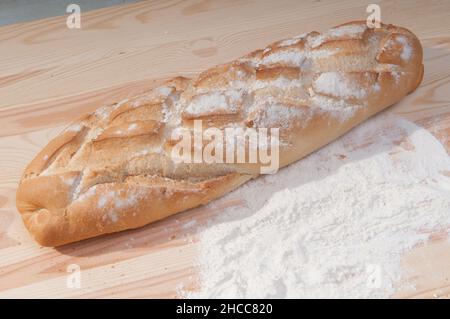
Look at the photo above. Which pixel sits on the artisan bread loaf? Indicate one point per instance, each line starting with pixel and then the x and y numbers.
pixel 114 169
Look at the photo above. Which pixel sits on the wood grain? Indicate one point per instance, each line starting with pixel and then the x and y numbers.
pixel 50 75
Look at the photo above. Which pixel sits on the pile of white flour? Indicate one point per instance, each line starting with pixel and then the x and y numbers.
pixel 334 224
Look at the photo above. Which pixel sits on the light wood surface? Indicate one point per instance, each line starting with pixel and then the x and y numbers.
pixel 50 75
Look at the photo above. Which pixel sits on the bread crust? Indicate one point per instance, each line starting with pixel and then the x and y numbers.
pixel 112 170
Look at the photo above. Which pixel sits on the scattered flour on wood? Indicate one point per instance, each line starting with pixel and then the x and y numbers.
pixel 326 225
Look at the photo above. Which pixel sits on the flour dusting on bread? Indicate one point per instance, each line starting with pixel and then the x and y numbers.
pixel 115 170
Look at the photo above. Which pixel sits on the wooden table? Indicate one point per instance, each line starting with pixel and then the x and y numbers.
pixel 50 75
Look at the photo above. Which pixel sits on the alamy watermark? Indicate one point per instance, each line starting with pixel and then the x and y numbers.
pixel 374 276
pixel 229 145
pixel 374 19
pixel 73 21
pixel 73 280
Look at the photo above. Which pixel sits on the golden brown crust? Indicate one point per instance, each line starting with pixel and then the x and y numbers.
pixel 113 169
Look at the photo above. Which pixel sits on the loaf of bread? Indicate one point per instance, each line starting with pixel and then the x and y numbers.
pixel 114 169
